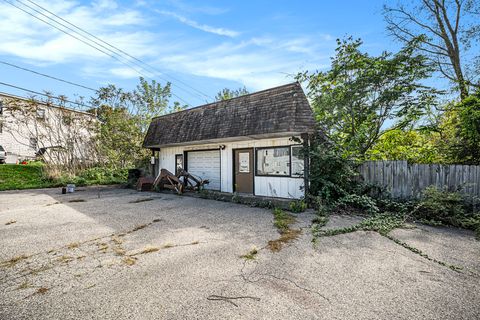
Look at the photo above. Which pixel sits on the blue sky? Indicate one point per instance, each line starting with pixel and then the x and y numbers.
pixel 205 45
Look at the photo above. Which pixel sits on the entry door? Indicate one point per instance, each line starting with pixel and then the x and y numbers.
pixel 243 170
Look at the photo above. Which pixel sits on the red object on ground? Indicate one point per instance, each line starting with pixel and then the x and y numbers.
pixel 145 184
pixel 24 162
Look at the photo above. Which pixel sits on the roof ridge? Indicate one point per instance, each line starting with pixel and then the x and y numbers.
pixel 46 104
pixel 221 101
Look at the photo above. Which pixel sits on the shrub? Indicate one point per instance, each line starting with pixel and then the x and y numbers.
pixel 446 207
pixel 362 202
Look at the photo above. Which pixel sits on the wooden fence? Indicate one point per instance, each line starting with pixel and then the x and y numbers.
pixel 407 180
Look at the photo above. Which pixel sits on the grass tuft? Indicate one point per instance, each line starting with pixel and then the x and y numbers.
pixel 129 261
pixel 250 255
pixel 12 262
pixel 73 245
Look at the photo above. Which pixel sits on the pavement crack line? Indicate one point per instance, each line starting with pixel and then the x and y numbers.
pixel 246 278
pixel 214 297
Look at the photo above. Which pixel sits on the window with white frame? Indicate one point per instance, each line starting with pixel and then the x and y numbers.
pixel 273 161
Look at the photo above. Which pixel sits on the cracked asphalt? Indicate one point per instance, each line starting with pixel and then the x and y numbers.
pixel 109 253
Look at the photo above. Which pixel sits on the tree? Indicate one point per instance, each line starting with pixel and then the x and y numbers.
pixel 446 30
pixel 124 119
pixel 460 130
pixel 226 93
pixel 361 97
pixel 152 100
pixel 415 146
pixel 119 137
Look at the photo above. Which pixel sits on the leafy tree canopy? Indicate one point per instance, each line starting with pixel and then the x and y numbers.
pixel 227 93
pixel 362 96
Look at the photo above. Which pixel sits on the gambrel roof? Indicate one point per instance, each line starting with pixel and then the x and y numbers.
pixel 279 111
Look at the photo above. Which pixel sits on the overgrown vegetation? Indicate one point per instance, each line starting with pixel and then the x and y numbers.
pixel 336 188
pixel 37 175
pixel 450 208
pixel 298 206
pixel 283 221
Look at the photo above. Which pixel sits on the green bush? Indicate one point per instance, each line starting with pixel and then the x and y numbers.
pixel 450 208
pixel 362 202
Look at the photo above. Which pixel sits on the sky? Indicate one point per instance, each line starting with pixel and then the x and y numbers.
pixel 200 47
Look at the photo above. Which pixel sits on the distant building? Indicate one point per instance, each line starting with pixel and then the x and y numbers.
pixel 31 129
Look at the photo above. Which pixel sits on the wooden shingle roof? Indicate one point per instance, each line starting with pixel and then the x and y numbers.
pixel 272 112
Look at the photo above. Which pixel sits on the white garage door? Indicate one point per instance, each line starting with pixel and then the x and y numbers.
pixel 205 165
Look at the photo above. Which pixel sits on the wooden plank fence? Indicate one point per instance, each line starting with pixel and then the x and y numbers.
pixel 407 180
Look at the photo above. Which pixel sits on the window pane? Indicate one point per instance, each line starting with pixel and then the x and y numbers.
pixel 178 163
pixel 274 161
pixel 297 161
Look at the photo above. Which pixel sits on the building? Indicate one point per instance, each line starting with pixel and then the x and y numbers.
pixel 240 145
pixel 31 129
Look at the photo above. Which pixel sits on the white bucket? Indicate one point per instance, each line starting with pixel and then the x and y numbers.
pixel 70 188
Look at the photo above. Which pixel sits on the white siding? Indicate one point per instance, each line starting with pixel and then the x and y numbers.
pixel 282 187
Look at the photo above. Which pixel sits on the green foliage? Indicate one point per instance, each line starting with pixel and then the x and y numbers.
pixel 120 138
pixel 461 128
pixel 381 223
pixel 363 202
pixel 331 175
pixel 450 208
pixel 282 220
pixel 124 118
pixel 16 177
pixel 355 98
pixel 226 93
pixel 415 146
pixel 298 206
pixel 33 176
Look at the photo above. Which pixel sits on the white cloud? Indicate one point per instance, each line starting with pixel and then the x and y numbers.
pixel 29 38
pixel 258 63
pixel 199 26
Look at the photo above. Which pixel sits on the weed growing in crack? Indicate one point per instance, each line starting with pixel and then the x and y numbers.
pixel 282 220
pixel 250 255
pixel 139 227
pixel 12 262
pixel 129 261
pixel 24 285
pixel 73 245
pixel 383 224
pixel 147 250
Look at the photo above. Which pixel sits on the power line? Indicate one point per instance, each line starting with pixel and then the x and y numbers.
pixel 118 49
pixel 90 45
pixel 44 94
pixel 46 75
